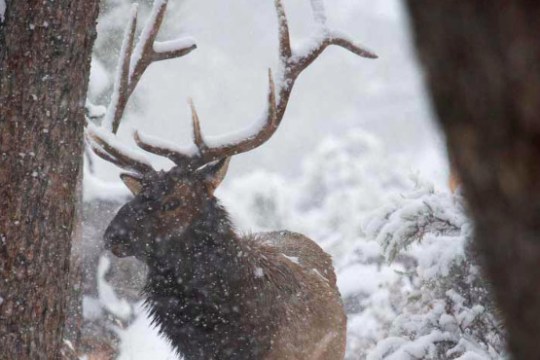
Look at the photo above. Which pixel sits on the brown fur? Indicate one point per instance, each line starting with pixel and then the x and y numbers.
pixel 314 326
pixel 219 296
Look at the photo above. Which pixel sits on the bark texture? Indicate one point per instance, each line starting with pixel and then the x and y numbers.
pixel 45 49
pixel 482 61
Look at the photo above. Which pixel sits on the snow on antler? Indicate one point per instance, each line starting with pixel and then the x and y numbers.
pixel 292 63
pixel 170 47
pixel 291 66
pixel 121 80
pixel 145 51
pixel 133 60
pixel 108 147
pixel 148 33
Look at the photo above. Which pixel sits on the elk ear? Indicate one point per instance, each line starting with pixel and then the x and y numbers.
pixel 133 182
pixel 214 173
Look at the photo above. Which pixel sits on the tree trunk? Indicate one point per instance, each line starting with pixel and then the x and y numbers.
pixel 45 49
pixel 483 69
pixel 74 316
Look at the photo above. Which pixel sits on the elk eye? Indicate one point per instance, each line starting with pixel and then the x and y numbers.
pixel 171 205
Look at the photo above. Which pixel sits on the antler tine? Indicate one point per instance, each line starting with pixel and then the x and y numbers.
pixel 144 54
pixel 174 156
pixel 136 59
pixel 194 160
pixel 110 153
pixel 197 134
pixel 121 92
pixel 284 36
pixel 300 63
pixel 146 46
pixel 102 154
pixel 133 62
pixel 207 154
pixel 292 66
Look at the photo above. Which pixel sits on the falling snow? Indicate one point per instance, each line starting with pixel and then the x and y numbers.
pixel 2 10
pixel 319 12
pixel 349 194
pixel 259 272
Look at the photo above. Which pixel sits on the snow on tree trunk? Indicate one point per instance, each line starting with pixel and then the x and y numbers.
pixel 484 75
pixel 45 52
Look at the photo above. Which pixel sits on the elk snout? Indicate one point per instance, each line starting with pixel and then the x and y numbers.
pixel 118 240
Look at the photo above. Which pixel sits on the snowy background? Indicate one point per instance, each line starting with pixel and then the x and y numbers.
pixel 357 165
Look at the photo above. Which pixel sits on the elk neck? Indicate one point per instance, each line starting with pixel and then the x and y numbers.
pixel 207 249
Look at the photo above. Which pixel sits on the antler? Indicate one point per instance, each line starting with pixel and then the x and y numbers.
pixel 292 65
pixel 133 61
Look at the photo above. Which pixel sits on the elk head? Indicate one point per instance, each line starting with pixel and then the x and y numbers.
pixel 165 203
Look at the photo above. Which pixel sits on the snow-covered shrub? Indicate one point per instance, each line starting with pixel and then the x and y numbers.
pixel 406 271
pixel 342 180
pixel 260 201
pixel 447 312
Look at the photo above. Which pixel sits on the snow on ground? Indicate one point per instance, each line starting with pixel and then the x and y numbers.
pixel 141 341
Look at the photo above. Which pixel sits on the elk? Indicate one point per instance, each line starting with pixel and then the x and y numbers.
pixel 216 294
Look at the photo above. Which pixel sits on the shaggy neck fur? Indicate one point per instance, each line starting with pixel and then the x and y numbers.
pixel 195 291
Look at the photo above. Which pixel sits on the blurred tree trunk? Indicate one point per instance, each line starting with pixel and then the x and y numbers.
pixel 45 49
pixel 482 60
